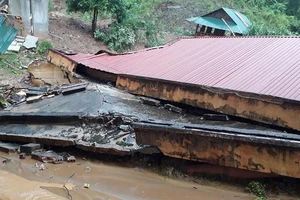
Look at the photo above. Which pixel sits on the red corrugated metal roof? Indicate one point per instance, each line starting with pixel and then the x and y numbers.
pixel 263 65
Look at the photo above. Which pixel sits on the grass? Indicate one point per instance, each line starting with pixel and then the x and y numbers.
pixel 50 6
pixel 11 63
pixel 14 62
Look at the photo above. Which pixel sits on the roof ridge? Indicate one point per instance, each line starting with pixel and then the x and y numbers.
pixel 171 42
pixel 250 36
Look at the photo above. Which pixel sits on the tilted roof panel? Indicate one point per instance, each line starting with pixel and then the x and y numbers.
pixel 261 65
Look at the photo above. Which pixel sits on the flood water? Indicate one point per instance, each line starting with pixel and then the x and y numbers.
pixel 20 179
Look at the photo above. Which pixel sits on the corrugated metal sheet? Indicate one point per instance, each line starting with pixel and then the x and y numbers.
pixel 240 20
pixel 262 65
pixel 2 20
pixel 217 24
pixel 240 24
pixel 7 35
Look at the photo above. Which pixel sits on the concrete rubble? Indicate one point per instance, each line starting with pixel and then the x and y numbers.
pixel 30 42
pixel 47 157
pixel 15 46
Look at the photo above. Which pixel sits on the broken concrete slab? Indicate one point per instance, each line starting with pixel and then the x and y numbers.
pixel 173 108
pixel 29 148
pixel 73 88
pixel 14 48
pixel 217 117
pixel 47 156
pixel 34 93
pixel 104 125
pixel 39 89
pixel 30 42
pixel 67 157
pixel 49 74
pixel 55 90
pixel 22 155
pixel 149 101
pixel 9 147
pixel 19 40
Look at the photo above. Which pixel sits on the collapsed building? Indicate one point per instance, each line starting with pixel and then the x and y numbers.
pixel 229 101
pixel 221 22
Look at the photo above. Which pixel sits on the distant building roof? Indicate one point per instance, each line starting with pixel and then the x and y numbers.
pixel 238 22
pixel 7 35
pixel 261 65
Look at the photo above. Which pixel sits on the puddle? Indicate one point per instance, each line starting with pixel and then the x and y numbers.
pixel 106 182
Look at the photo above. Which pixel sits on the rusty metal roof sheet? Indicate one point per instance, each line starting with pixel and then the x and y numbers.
pixel 262 65
pixel 7 35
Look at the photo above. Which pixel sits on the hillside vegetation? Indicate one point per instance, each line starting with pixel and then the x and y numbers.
pixel 148 21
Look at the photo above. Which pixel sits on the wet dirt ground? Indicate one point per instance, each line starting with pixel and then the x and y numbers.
pixel 20 179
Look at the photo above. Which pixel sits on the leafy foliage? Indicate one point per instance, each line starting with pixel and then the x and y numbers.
pixel 143 20
pixel 43 47
pixel 119 37
pixel 136 23
pixel 270 17
pixel 257 189
pixel 115 7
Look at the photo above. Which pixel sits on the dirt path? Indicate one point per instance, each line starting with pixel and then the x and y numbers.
pixel 22 180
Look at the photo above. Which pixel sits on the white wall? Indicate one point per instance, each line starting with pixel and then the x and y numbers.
pixel 40 17
pixel 39 13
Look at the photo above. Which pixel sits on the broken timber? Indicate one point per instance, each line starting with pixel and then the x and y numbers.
pixel 258 153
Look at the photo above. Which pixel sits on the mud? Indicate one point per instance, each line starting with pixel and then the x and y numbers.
pixel 22 180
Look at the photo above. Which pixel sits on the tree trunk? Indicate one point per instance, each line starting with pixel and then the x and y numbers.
pixel 95 18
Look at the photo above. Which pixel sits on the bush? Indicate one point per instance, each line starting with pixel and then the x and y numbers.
pixel 257 189
pixel 43 47
pixel 119 37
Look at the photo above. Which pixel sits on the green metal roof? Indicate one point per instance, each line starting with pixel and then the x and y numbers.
pixel 240 20
pixel 216 23
pixel 7 35
pixel 240 25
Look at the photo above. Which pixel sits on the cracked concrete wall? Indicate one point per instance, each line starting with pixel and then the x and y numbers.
pixel 48 74
pixel 209 147
pixel 266 109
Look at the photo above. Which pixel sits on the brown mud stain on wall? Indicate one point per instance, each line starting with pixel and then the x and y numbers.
pixel 220 151
pixel 265 109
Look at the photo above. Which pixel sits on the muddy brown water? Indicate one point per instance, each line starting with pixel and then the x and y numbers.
pixel 20 179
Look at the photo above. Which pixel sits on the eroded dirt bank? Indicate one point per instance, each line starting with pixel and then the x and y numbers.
pixel 22 180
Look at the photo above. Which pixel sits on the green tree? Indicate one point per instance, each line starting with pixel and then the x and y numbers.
pixel 116 8
pixel 293 7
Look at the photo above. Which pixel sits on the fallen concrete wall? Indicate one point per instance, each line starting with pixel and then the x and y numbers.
pixel 49 74
pixel 266 109
pixel 59 59
pixel 250 152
